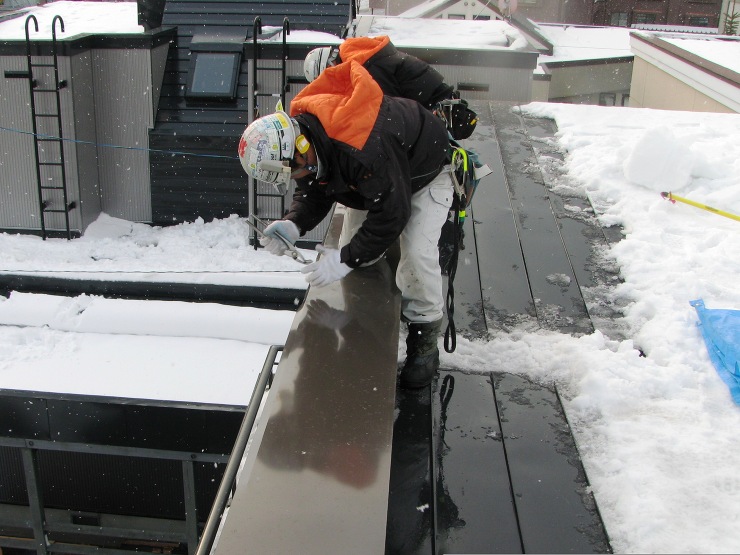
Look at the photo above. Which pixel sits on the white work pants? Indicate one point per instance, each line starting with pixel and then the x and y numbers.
pixel 418 277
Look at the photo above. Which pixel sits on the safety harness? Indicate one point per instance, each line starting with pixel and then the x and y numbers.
pixel 466 171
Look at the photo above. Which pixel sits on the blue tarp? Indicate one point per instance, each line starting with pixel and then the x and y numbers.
pixel 721 331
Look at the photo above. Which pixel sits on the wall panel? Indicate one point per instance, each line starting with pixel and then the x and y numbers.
pixel 123 104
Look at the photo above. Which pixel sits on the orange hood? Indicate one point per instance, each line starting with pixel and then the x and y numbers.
pixel 346 99
pixel 361 49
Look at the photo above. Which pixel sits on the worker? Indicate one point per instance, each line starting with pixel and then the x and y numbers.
pixel 398 74
pixel 386 159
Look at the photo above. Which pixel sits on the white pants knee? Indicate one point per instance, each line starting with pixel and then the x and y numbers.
pixel 418 276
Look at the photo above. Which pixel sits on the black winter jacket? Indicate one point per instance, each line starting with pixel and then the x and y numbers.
pixel 397 73
pixel 405 150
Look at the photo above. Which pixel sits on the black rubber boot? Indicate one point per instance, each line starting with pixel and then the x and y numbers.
pixel 422 355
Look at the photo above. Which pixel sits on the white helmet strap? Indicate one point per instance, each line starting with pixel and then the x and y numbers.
pixel 281 168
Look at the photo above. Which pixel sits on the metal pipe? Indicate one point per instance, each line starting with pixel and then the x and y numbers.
pixel 58 84
pixel 31 83
pixel 224 490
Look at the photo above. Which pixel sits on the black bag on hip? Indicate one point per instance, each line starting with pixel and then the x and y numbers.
pixel 462 120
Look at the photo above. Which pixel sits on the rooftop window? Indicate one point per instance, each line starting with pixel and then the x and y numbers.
pixel 214 67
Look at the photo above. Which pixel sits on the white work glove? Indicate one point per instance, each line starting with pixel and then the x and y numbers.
pixel 326 269
pixel 272 243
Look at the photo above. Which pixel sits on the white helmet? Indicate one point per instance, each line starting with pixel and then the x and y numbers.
pixel 266 146
pixel 318 59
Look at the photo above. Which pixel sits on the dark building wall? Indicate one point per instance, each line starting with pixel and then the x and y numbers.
pixel 559 11
pixel 195 171
pixel 661 12
pixel 185 186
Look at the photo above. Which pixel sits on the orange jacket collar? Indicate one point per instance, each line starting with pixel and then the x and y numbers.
pixel 361 49
pixel 346 99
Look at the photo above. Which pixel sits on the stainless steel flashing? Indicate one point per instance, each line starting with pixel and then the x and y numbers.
pixel 315 480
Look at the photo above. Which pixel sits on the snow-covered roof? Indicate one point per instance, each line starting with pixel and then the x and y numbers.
pixel 573 43
pixel 79 17
pixel 709 64
pixel 723 51
pixel 426 33
pixel 676 28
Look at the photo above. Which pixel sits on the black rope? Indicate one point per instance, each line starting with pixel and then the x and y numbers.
pixel 450 341
pixel 170 152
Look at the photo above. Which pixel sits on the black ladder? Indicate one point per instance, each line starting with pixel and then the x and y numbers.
pixel 263 190
pixel 46 115
pixel 256 50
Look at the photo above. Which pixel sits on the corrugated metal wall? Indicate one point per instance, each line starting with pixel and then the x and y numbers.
pixel 82 116
pixel 590 78
pixel 495 83
pixel 123 107
pixel 107 108
pixel 19 207
pixel 159 62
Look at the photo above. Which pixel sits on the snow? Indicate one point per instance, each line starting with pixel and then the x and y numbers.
pixel 406 31
pixel 112 347
pixel 724 52
pixel 114 249
pixel 111 18
pixel 130 366
pixel 300 36
pixel 417 32
pixel 579 42
pixel 657 433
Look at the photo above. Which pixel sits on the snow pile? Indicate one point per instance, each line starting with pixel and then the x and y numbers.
pixel 93 314
pixel 194 252
pixel 659 161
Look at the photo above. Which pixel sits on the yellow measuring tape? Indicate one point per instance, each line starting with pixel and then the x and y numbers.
pixel 675 198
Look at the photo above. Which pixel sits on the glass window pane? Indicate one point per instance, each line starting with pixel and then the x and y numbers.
pixel 213 74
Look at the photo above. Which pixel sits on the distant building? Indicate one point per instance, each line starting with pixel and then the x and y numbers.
pixel 626 13
pixel 614 13
pixel 679 72
pixel 480 10
pixel 578 64
pixel 557 11
pixel 585 65
pixel 560 11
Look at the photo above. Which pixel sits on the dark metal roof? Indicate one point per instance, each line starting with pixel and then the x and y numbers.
pixel 211 126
